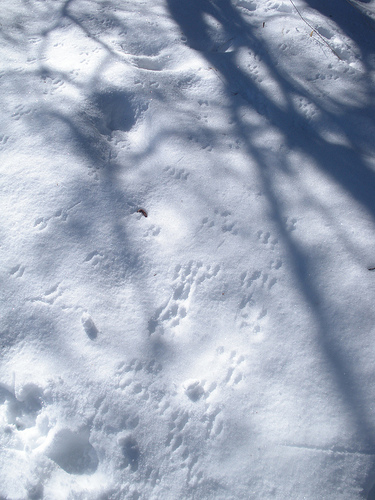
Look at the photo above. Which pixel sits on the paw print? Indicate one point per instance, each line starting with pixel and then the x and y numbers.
pixel 187 279
pixel 131 378
pixel 223 220
pixel 3 140
pixel 251 309
pixel 175 173
pixel 265 238
pixel 94 258
pixel 152 231
pixel 176 426
pixel 60 215
pixel 234 374
pixel 17 271
pixel 290 224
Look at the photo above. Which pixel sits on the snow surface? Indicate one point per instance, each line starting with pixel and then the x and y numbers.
pixel 223 346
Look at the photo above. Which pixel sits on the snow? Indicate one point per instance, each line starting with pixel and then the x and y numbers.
pixel 223 346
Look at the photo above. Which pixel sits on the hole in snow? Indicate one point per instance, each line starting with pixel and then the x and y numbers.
pixel 73 452
pixel 130 452
pixel 119 110
pixel 324 32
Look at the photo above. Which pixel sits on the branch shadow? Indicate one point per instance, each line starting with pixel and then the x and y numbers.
pixel 344 164
pixel 90 137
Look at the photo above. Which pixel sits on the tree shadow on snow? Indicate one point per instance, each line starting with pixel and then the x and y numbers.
pixel 113 110
pixel 343 163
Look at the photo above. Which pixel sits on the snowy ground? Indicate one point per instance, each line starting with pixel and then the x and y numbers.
pixel 222 347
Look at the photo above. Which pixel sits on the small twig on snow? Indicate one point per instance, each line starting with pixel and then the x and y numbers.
pixel 314 30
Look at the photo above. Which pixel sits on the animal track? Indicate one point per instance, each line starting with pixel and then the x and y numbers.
pixel 290 224
pixel 306 109
pixel 214 425
pixel 150 63
pixel 130 452
pixel 206 222
pixel 176 426
pixel 248 5
pixel 193 389
pixel 152 231
pixel 3 140
pixel 222 219
pixel 275 264
pixel 266 239
pixel 152 476
pixel 20 111
pixel 49 296
pixel 186 280
pixel 119 111
pixel 131 378
pixel 73 452
pixel 327 33
pixel 89 326
pixel 61 214
pixel 20 412
pixel 203 140
pixel 232 366
pixel 17 271
pixel 179 174
pixel 234 375
pixel 94 257
pixel 280 7
pixel 202 102
pixel 255 287
pixel 235 145
pixel 24 427
pixel 52 84
pixel 182 425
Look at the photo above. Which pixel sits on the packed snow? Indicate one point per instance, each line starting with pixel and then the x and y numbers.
pixel 187 249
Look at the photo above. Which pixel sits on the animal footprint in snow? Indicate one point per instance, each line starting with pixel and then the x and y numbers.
pixel 253 319
pixel 175 436
pixel 22 411
pixel 231 370
pixel 152 231
pixel 49 296
pixel 234 375
pixel 60 214
pixel 186 280
pixel 193 389
pixel 176 173
pixel 275 264
pixel 247 285
pixel 40 223
pixel 73 452
pixel 20 110
pixel 17 271
pixel 223 220
pixel 255 288
pixel 22 408
pixel 94 257
pixel 150 63
pixel 131 378
pixel 214 424
pixel 207 223
pixel 246 4
pixel 89 326
pixel 51 85
pixel 3 140
pixel 290 224
pixel 130 452
pixel 265 238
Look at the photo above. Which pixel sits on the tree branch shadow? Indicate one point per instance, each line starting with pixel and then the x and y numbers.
pixel 343 163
